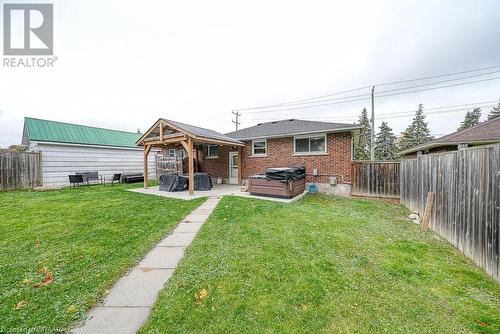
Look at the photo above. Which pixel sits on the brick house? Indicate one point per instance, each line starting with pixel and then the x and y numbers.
pixel 324 148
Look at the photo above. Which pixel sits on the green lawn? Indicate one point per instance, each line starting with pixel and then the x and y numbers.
pixel 78 242
pixel 323 265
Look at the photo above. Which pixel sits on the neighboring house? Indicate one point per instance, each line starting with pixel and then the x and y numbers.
pixel 324 148
pixel 69 148
pixel 484 133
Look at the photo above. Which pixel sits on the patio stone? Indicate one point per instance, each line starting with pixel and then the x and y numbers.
pixel 129 302
pixel 162 258
pixel 122 320
pixel 177 240
pixel 188 227
pixel 196 218
pixel 138 288
pixel 206 210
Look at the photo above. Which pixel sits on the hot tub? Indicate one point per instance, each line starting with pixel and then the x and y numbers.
pixel 278 182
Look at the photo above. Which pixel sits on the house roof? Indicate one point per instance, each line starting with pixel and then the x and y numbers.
pixel 289 127
pixel 484 133
pixel 50 131
pixel 204 133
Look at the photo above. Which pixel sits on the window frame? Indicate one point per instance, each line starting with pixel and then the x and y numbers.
pixel 209 156
pixel 309 136
pixel 171 150
pixel 265 148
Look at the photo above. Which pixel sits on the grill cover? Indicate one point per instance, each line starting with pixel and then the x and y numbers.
pixel 173 182
pixel 202 181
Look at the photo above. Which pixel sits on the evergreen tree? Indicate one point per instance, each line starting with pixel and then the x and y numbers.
pixel 362 149
pixel 417 132
pixel 471 119
pixel 495 112
pixel 385 141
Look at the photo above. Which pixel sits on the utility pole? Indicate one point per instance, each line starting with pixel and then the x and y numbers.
pixel 372 141
pixel 237 122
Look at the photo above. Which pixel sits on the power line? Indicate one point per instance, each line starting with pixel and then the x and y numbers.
pixel 367 98
pixel 384 116
pixel 368 86
pixel 451 108
pixel 384 91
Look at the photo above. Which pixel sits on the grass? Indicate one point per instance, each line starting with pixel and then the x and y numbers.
pixel 85 238
pixel 323 265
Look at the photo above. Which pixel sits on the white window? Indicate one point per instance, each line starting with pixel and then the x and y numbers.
pixel 259 147
pixel 213 151
pixel 171 153
pixel 310 144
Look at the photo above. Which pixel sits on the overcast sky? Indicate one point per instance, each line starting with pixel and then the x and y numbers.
pixel 124 64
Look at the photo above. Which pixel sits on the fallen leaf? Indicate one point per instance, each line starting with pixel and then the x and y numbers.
pixel 71 308
pixel 200 297
pixel 43 270
pixel 304 306
pixel 20 305
pixel 26 281
pixel 213 308
pixel 106 292
pixel 181 284
pixel 482 324
pixel 49 278
pixel 81 256
pixel 37 243
pixel 146 269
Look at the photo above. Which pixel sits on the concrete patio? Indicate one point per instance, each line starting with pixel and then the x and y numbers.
pixel 217 191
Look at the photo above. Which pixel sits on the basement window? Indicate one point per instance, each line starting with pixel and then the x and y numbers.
pixel 259 147
pixel 310 144
pixel 213 151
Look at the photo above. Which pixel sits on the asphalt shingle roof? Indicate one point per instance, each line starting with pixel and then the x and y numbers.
pixel 51 131
pixel 205 133
pixel 289 127
pixel 486 132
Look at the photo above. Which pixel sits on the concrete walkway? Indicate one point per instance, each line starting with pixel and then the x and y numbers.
pixel 129 302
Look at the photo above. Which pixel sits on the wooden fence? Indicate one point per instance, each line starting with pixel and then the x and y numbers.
pixel 375 179
pixel 20 170
pixel 466 205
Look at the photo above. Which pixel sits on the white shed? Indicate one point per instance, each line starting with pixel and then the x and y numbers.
pixel 70 148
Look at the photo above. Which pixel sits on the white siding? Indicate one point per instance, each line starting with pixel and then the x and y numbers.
pixel 59 161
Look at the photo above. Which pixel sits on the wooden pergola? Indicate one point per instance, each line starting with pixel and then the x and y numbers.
pixel 169 134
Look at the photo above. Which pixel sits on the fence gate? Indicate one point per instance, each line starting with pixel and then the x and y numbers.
pixel 375 179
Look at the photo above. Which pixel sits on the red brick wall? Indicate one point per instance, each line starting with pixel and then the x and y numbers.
pixel 216 167
pixel 280 154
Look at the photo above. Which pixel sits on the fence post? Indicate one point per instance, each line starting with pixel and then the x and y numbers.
pixel 427 212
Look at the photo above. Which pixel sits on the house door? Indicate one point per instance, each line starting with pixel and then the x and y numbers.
pixel 233 167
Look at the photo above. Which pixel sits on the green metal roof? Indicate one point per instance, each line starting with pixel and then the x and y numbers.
pixel 51 131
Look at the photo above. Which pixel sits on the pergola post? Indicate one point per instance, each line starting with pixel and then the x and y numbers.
pixel 147 148
pixel 190 166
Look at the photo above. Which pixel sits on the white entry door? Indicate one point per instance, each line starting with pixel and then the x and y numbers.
pixel 233 167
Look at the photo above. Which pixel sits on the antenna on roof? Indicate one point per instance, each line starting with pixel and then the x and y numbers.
pixel 138 130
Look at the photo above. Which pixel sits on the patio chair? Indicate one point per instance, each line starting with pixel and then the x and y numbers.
pixel 117 178
pixel 75 180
